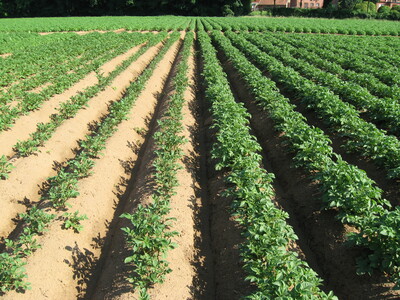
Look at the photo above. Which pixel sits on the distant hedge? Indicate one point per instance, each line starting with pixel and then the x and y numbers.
pixel 60 8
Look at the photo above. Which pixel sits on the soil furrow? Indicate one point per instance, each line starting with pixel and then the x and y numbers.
pixel 23 186
pixel 390 187
pixel 27 124
pixel 203 284
pixel 73 257
pixel 184 282
pixel 225 233
pixel 321 236
pixel 110 281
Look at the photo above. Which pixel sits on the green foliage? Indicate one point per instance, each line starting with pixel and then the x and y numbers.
pixel 70 108
pixel 5 167
pixel 227 11
pixel 36 219
pixel 72 220
pixel 363 136
pixel 384 9
pixel 270 266
pixel 38 67
pixel 12 273
pixel 348 4
pixel 380 234
pixel 149 235
pixel 150 239
pixel 64 185
pixel 366 6
pixel 344 187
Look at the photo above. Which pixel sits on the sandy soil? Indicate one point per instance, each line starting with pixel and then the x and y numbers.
pixel 24 184
pixel 40 88
pixel 73 256
pixel 99 31
pixel 5 55
pixel 321 236
pixel 84 32
pixel 178 284
pixel 27 124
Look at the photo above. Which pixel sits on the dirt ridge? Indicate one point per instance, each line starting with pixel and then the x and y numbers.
pixel 73 256
pixel 321 236
pixel 23 186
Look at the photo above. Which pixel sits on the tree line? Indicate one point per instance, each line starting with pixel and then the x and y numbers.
pixel 47 8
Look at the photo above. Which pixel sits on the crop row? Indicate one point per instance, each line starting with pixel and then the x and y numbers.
pixel 353 59
pixel 69 109
pixel 361 136
pixel 300 25
pixel 11 41
pixel 308 25
pixel 344 186
pixel 159 23
pixel 52 51
pixel 379 48
pixel 55 73
pixel 277 272
pixel 314 54
pixel 383 111
pixel 149 235
pixel 32 101
pixel 64 185
pixel 33 65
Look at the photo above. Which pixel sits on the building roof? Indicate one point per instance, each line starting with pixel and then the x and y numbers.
pixel 271 2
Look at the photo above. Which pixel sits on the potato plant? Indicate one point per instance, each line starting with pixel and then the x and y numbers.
pixel 361 136
pixel 28 101
pixel 270 266
pixel 323 59
pixel 344 186
pixel 149 235
pixel 64 185
pixel 385 112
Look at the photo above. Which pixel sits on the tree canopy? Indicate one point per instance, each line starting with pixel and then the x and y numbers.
pixel 47 8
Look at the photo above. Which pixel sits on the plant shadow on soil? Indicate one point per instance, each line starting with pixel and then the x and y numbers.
pixel 221 274
pixel 321 236
pixel 130 193
pixel 83 263
pixel 202 286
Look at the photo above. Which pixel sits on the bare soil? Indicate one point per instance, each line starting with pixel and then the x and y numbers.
pixel 25 181
pixel 5 55
pixel 206 264
pixel 74 256
pixel 321 237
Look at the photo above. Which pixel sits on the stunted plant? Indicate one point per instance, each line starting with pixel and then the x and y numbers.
pixel 72 220
pixel 149 235
pixel 12 273
pixel 5 167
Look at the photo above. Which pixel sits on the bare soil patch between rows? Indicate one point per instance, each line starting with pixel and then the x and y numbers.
pixel 25 181
pixel 73 256
pixel 321 236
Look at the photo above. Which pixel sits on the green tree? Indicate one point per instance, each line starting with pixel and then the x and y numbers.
pixel 366 6
pixel 349 4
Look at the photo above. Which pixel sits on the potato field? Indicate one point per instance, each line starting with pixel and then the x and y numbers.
pixel 199 158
